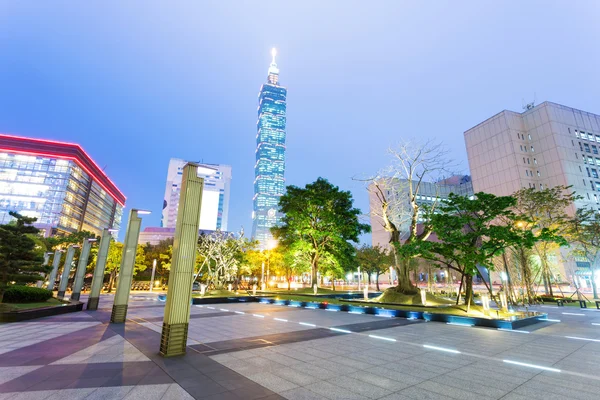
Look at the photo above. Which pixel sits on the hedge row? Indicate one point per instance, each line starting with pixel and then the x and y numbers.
pixel 25 294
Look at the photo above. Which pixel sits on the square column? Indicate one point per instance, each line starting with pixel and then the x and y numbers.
pixel 64 279
pixel 55 264
pixel 119 311
pixel 81 267
pixel 98 278
pixel 177 310
pixel 46 261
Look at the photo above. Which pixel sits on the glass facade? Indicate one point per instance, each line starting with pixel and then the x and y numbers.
pixel 269 181
pixel 57 191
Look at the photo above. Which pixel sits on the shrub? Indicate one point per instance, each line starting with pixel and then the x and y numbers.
pixel 25 294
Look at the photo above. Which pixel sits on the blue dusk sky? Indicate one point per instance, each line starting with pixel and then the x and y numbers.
pixel 138 82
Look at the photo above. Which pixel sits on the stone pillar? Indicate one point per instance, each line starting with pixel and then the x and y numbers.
pixel 81 267
pixel 119 311
pixel 64 279
pixel 55 264
pixel 98 278
pixel 46 261
pixel 177 310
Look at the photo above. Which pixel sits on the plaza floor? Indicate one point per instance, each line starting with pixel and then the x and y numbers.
pixel 260 351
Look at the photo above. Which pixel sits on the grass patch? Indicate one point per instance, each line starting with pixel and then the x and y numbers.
pixel 7 307
pixel 393 296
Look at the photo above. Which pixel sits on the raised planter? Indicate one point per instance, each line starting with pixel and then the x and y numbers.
pixel 24 315
pixel 222 300
pixel 508 323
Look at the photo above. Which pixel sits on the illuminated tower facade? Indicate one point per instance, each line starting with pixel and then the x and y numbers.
pixel 269 181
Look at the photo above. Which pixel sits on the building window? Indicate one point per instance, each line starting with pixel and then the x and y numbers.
pixel 576 156
pixel 586 147
pixel 580 147
pixel 592 185
pixel 576 133
pixel 597 161
pixel 523 160
pixel 594 173
pixel 535 161
pixel 594 149
pixel 521 147
pixel 588 195
pixel 538 173
pixel 598 185
pixel 541 186
pixel 528 160
pixel 597 138
pixel 573 142
pixel 590 160
pixel 529 136
pixel 583 182
pixel 588 171
pixel 526 173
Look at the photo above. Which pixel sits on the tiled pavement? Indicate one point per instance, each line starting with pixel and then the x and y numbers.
pixel 257 351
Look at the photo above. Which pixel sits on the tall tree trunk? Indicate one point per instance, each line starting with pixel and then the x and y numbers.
pixel 462 279
pixel 526 271
pixel 111 281
pixel 289 279
pixel 468 291
pixel 333 283
pixel 377 281
pixel 369 277
pixel 550 284
pixel 314 274
pixel 508 280
pixel 403 272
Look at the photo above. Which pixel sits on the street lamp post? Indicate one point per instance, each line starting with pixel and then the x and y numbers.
pixel 98 278
pixel 153 272
pixel 46 261
pixel 55 264
pixel 81 267
pixel 64 279
pixel 119 310
pixel 174 333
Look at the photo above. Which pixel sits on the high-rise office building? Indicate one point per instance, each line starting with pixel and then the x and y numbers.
pixel 545 146
pixel 269 181
pixel 215 196
pixel 59 184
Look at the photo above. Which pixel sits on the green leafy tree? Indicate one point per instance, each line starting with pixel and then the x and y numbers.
pixel 162 253
pixel 471 233
pixel 21 253
pixel 320 222
pixel 373 260
pixel 585 234
pixel 63 241
pixel 545 212
pixel 113 261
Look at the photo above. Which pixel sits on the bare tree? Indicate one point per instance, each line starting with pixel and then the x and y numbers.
pixel 395 198
pixel 221 256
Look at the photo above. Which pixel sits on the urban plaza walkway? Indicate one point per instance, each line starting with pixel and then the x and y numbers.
pixel 260 351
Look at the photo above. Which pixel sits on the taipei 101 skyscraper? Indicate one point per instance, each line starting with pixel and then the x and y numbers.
pixel 269 181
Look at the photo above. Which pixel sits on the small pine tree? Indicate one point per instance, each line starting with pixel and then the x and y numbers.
pixel 21 255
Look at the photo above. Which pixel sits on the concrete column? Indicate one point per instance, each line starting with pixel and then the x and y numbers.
pixel 177 309
pixel 119 311
pixel 98 278
pixel 81 267
pixel 55 264
pixel 64 279
pixel 46 261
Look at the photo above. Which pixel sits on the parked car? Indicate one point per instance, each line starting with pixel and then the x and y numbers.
pixel 195 286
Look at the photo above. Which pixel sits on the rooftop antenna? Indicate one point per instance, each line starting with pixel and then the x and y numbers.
pixel 529 106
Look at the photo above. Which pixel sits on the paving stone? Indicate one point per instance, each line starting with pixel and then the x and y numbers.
pixel 301 393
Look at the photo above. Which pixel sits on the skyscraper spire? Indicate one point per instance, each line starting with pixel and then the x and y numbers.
pixel 273 77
